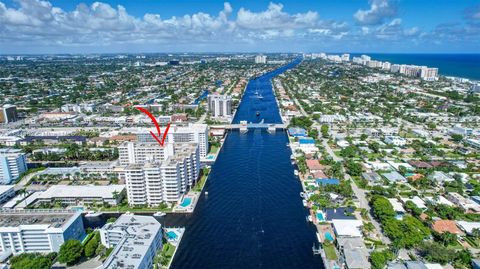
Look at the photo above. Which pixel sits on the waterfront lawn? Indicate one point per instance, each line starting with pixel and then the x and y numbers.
pixel 330 251
pixel 164 257
pixel 213 149
pixel 127 208
pixel 199 186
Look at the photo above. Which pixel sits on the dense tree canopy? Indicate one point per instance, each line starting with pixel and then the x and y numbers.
pixel 70 252
pixel 32 261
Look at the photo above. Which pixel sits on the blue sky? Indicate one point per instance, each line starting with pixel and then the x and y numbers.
pixel 399 26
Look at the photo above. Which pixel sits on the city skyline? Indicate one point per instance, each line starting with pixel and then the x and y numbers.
pixel 383 26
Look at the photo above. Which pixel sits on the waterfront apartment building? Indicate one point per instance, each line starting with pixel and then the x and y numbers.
pixel 135 241
pixel 220 106
pixel 345 57
pixel 192 133
pixel 12 164
pixel 260 59
pixel 38 230
pixel 8 113
pixel 143 152
pixel 429 74
pixel 152 183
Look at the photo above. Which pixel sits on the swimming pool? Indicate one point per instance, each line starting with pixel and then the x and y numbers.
pixel 328 236
pixel 320 216
pixel 171 235
pixel 210 157
pixel 186 202
pixel 77 208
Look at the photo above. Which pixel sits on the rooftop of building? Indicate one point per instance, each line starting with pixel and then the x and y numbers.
pixel 52 218
pixel 140 234
pixel 5 188
pixel 442 226
pixel 84 191
pixel 5 151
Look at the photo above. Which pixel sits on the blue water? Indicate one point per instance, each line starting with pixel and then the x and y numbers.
pixel 458 65
pixel 267 106
pixel 186 202
pixel 201 97
pixel 253 216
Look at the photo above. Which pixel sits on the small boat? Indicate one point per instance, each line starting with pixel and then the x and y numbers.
pixel 295 172
pixel 206 193
pixel 292 157
pixel 258 113
pixel 309 218
pixel 293 162
pixel 159 214
pixel 91 214
pixel 302 194
pixel 305 204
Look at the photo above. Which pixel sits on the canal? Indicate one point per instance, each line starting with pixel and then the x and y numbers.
pixel 253 216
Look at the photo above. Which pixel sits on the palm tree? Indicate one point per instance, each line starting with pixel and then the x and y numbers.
pixel 115 196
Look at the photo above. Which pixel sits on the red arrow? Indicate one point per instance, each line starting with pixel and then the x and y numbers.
pixel 154 120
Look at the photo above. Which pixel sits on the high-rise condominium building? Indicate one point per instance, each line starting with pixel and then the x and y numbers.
pixel 163 178
pixel 260 59
pixel 143 152
pixel 429 74
pixel 220 106
pixel 8 113
pixel 12 165
pixel 193 133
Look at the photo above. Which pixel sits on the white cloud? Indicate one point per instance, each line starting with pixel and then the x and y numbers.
pixel 102 24
pixel 32 24
pixel 378 12
pixel 275 18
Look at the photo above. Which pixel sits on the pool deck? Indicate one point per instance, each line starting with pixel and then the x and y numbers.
pixel 180 232
pixel 191 207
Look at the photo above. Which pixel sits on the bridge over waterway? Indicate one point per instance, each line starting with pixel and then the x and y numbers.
pixel 243 125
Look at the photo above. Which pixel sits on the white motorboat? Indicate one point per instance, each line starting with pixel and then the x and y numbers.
pixel 159 214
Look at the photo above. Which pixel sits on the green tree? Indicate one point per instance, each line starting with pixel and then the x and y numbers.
pixel 349 152
pixel 301 121
pixel 70 252
pixel 32 261
pixel 457 137
pixel 324 130
pixel 405 233
pixel 354 168
pixel 92 245
pixel 382 209
pixel 413 208
pixel 379 259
